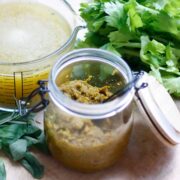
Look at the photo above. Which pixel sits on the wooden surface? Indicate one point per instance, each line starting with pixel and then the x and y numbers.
pixel 145 158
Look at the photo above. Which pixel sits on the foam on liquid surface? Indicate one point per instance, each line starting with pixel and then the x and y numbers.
pixel 30 31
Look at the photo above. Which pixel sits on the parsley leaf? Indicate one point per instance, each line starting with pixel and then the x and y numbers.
pixel 146 33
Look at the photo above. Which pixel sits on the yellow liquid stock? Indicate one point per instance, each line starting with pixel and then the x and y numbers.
pixel 19 85
pixel 28 31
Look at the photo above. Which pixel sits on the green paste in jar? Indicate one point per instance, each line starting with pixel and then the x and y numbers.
pixel 83 92
pixel 85 144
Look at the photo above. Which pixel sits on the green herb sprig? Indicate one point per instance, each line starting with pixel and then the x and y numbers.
pixel 146 33
pixel 17 135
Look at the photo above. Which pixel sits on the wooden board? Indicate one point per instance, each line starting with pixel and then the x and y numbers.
pixel 145 158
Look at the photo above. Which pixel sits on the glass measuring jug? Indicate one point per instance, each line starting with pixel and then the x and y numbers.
pixel 19 74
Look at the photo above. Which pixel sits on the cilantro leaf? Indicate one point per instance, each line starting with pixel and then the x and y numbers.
pixel 134 20
pixel 93 15
pixel 116 15
pixel 118 37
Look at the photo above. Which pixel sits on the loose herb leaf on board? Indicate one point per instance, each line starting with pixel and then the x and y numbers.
pixel 18 149
pixel 17 135
pixel 2 171
pixel 31 163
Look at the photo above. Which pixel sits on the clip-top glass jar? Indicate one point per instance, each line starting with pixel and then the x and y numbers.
pixel 89 137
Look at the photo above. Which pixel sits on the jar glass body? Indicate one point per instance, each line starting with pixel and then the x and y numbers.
pixel 86 144
pixel 19 79
pixel 87 137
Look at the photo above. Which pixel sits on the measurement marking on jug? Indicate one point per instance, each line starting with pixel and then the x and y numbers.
pixel 18 84
pixel 22 84
pixel 14 85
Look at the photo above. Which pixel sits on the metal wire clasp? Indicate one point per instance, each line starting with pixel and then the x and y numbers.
pixel 25 102
pixel 141 86
pixel 126 87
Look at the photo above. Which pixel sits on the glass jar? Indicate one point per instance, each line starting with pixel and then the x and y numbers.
pixel 89 137
pixel 19 76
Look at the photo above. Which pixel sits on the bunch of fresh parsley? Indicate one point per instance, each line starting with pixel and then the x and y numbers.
pixel 146 33
pixel 17 135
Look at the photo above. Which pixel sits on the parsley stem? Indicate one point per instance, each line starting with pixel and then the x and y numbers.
pixel 129 52
pixel 142 8
pixel 130 44
pixel 8 118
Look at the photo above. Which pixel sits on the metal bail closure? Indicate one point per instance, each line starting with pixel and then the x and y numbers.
pixel 159 109
pixel 42 104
